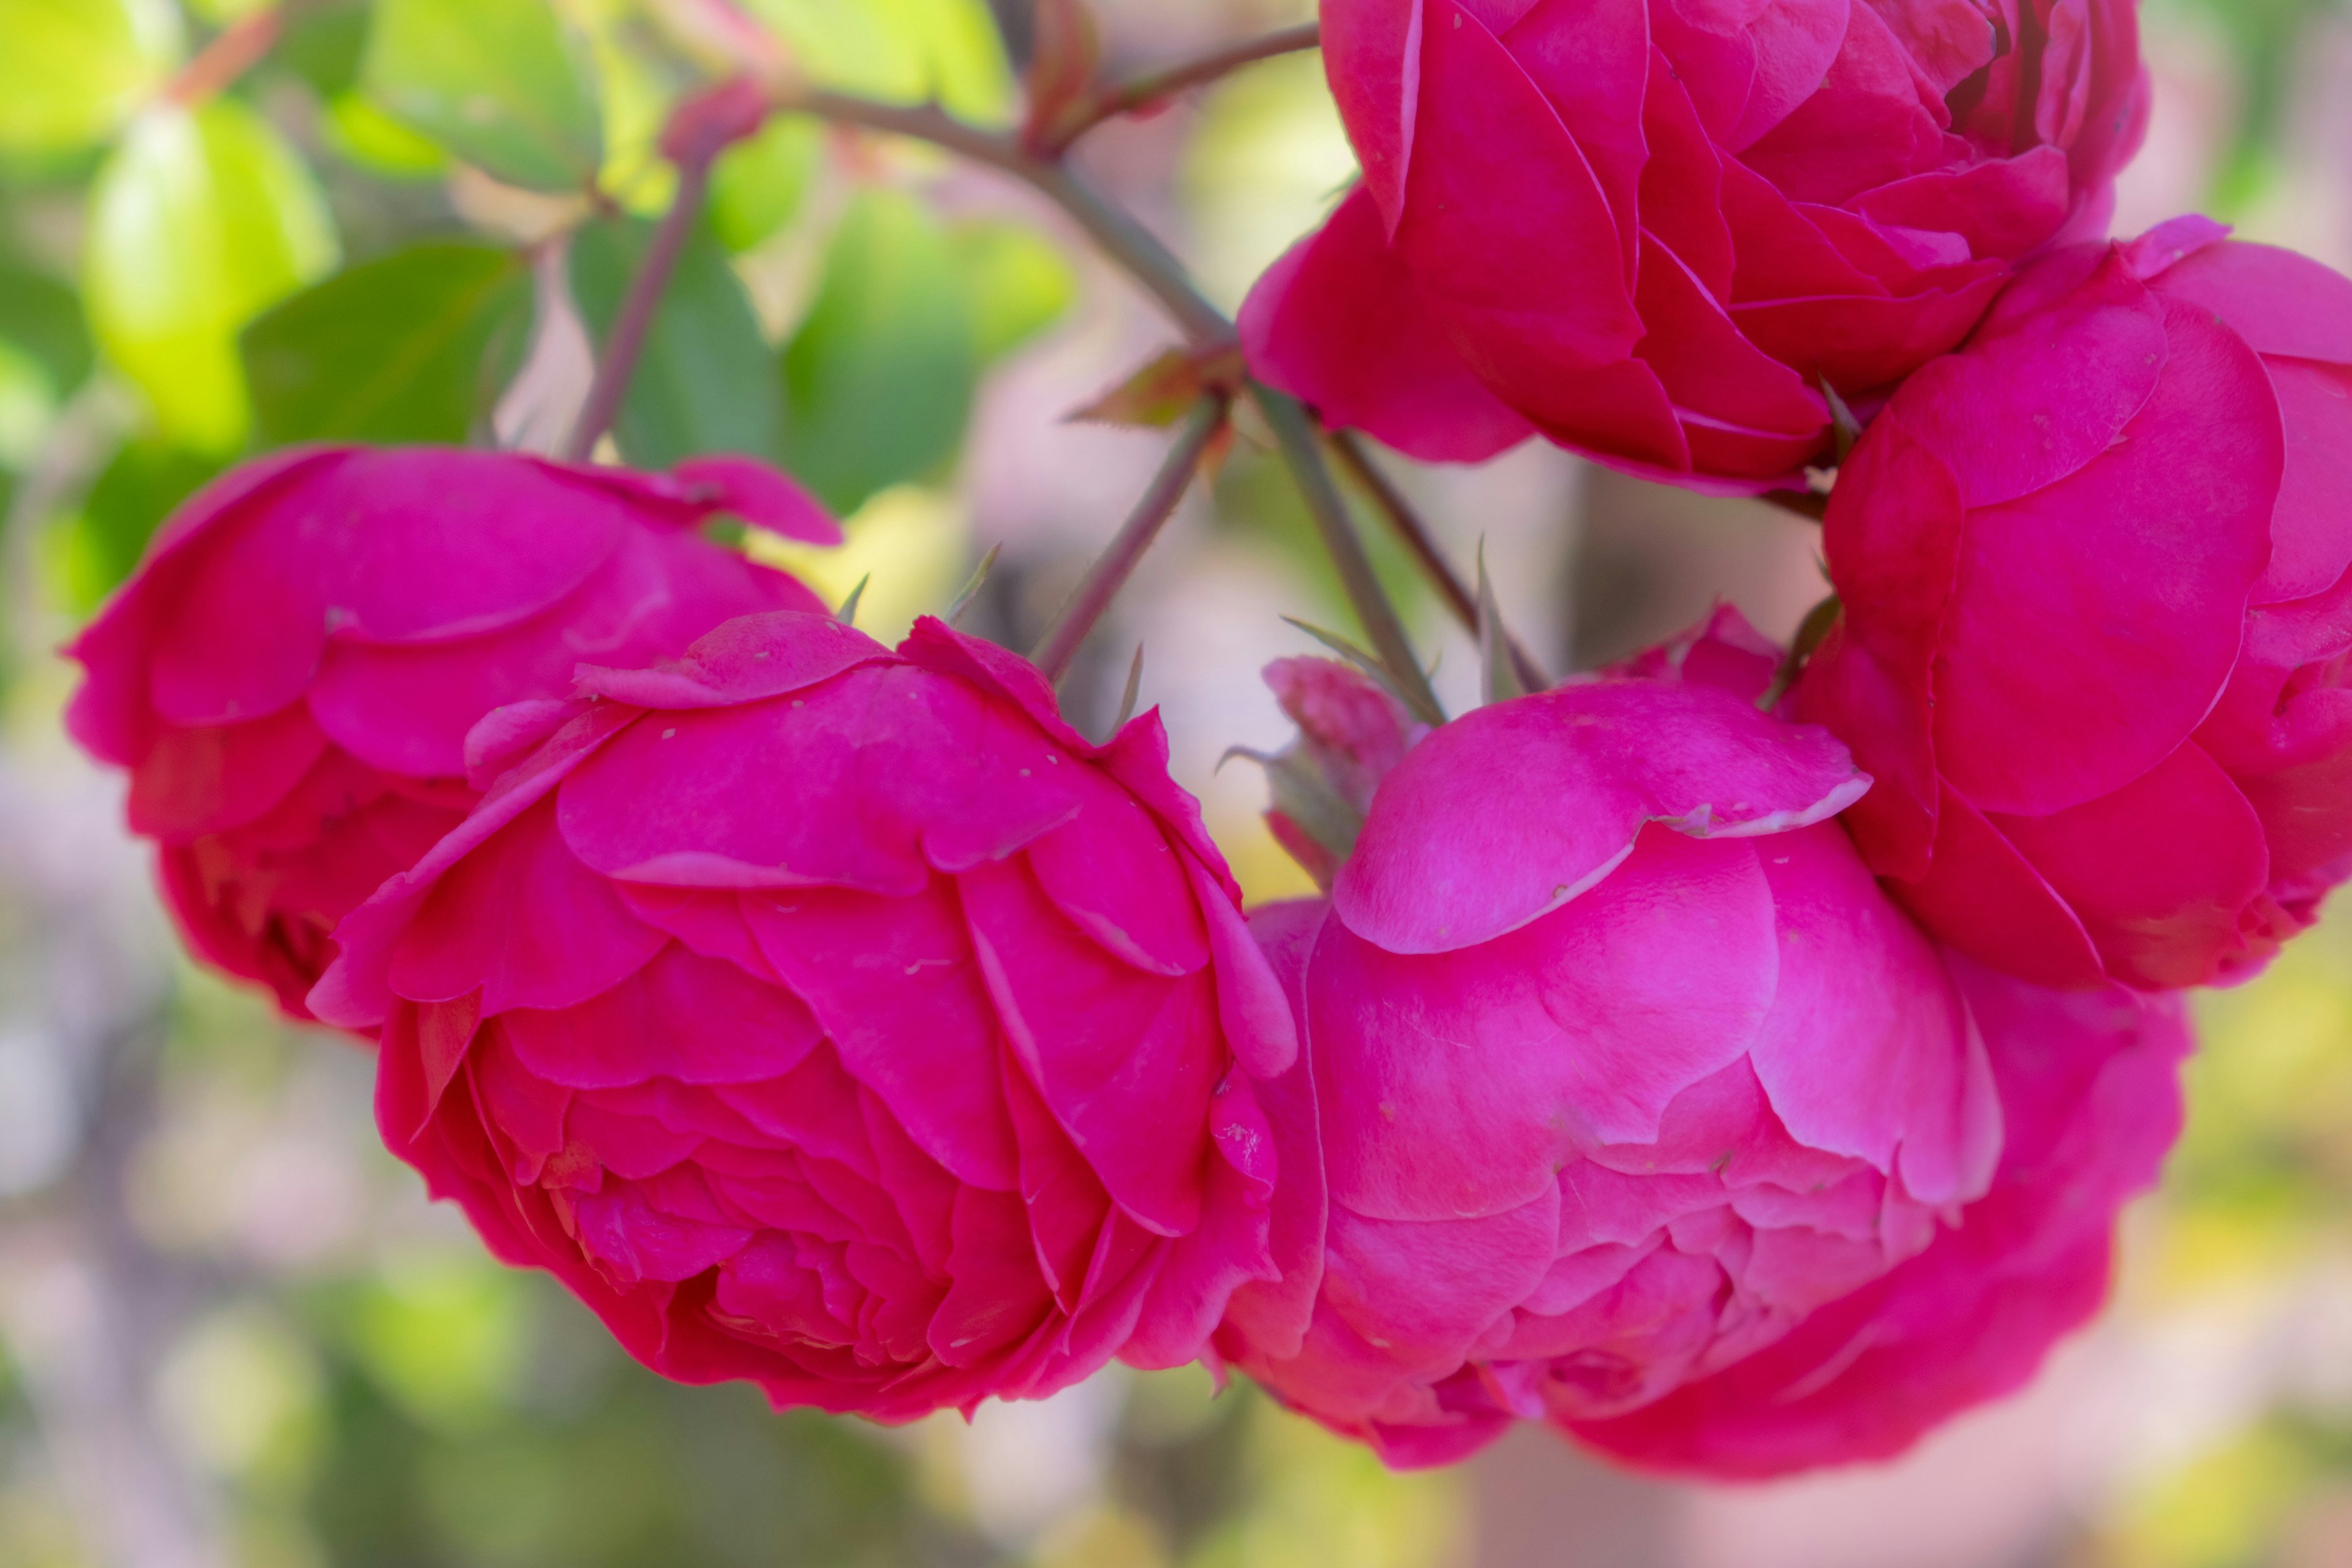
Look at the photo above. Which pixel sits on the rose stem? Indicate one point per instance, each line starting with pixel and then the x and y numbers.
pixel 626 341
pixel 235 50
pixel 1118 561
pixel 1124 240
pixel 1304 453
pixel 1406 524
pixel 1152 87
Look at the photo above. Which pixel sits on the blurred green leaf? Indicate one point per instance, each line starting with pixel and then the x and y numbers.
pixel 635 85
pixel 879 380
pixel 198 222
pixel 398 350
pixel 323 44
pixel 498 83
pixel 28 401
pixel 758 185
pixel 93 551
pixel 72 71
pixel 367 138
pixel 706 380
pixel 908 51
pixel 1020 281
pixel 43 318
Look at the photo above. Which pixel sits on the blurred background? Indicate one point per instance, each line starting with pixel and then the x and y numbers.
pixel 232 1331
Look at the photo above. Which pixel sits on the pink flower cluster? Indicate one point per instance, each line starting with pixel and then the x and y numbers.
pixel 1734 1059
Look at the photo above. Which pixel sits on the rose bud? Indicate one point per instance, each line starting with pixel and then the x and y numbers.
pixel 1617 1065
pixel 2090 1103
pixel 1652 231
pixel 836 1019
pixel 291 674
pixel 2097 616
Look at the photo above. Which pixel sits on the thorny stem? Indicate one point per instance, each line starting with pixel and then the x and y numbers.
pixel 1304 454
pixel 1141 255
pixel 1118 561
pixel 626 341
pixel 235 50
pixel 1406 524
pixel 1143 90
pixel 1124 240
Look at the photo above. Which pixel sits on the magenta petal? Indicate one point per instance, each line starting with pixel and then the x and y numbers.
pixel 2162 900
pixel 1982 897
pixel 753 655
pixel 482 927
pixel 1425 1291
pixel 2282 304
pixel 1457 850
pixel 242 635
pixel 761 496
pixel 1271 1316
pixel 2022 410
pixel 1112 1051
pixel 1227 1251
pixel 1372 52
pixel 1113 874
pixel 2159 545
pixel 1304 328
pixel 217 777
pixel 2311 540
pixel 1579 1027
pixel 1592 58
pixel 1911 1080
pixel 895 985
pixel 1255 1015
pixel 110 714
pixel 1546 264
pixel 682 1016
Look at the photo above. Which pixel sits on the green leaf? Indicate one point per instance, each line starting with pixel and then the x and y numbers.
pixel 91 552
pixel 72 71
pixel 757 186
pixel 1020 281
pixel 28 401
pixel 43 318
pixel 499 84
pixel 322 43
pixel 706 381
pixel 400 350
pixel 367 138
pixel 909 51
pixel 198 223
pixel 879 380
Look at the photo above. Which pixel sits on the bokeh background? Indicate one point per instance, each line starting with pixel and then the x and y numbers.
pixel 232 1331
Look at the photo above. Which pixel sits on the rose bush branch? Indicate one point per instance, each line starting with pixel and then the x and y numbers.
pixel 1147 89
pixel 1296 435
pixel 1128 243
pixel 702 126
pixel 1118 562
pixel 1406 524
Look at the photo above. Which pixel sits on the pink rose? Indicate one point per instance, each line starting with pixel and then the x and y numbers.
pixel 1618 1066
pixel 1649 231
pixel 2097 615
pixel 290 676
pixel 837 1019
pixel 2090 1101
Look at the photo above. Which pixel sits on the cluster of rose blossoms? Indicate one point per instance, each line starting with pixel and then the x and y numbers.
pixel 1736 1071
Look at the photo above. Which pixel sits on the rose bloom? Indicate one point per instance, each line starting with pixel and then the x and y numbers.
pixel 1618 1066
pixel 2090 1098
pixel 1652 231
pixel 291 675
pixel 2097 617
pixel 836 1019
